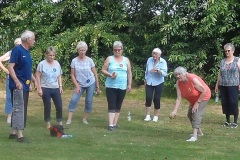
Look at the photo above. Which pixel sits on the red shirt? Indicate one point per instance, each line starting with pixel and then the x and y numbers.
pixel 189 92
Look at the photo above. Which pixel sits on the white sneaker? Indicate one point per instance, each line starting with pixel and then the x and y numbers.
pixel 68 121
pixel 85 121
pixel 155 118
pixel 147 118
pixel 9 120
pixel 192 139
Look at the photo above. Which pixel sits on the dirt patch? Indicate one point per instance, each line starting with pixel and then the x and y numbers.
pixel 2 94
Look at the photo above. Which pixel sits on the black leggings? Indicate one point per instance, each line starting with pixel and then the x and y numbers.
pixel 153 93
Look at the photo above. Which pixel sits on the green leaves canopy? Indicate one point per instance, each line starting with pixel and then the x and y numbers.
pixel 190 33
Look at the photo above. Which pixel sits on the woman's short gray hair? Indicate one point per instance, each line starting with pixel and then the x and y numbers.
pixel 17 41
pixel 26 34
pixel 157 50
pixel 82 44
pixel 229 45
pixel 118 44
pixel 50 49
pixel 180 70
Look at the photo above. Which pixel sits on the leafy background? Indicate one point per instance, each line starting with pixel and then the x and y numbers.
pixel 190 33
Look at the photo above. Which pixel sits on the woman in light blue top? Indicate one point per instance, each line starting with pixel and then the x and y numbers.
pixel 156 70
pixel 117 68
pixel 84 77
pixel 8 102
pixel 49 78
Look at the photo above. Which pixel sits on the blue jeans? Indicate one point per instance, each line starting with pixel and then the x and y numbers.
pixel 8 102
pixel 88 99
pixel 55 95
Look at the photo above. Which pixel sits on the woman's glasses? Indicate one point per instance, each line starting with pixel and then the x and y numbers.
pixel 117 50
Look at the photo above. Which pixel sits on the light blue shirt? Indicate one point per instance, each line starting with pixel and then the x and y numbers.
pixel 49 74
pixel 120 82
pixel 83 71
pixel 155 78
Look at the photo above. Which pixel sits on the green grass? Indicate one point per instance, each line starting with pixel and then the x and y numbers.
pixel 134 139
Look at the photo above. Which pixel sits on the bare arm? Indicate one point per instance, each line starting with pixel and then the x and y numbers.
pixel 199 86
pixel 178 100
pixel 96 79
pixel 238 63
pixel 13 76
pixel 4 58
pixel 74 80
pixel 129 71
pixel 60 84
pixel 39 87
pixel 217 83
pixel 105 68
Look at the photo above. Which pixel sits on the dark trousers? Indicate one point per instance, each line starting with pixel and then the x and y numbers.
pixel 229 99
pixel 55 95
pixel 25 101
pixel 115 99
pixel 153 93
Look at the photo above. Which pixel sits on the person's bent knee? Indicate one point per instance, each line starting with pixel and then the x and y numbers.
pixel 111 111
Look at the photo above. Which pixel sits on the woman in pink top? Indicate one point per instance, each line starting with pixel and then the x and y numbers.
pixel 195 90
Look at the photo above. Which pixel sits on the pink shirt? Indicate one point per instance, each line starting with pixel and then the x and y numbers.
pixel 189 92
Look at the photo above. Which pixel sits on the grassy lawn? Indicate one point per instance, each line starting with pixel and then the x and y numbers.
pixel 134 139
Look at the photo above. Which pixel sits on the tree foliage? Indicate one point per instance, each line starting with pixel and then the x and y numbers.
pixel 190 33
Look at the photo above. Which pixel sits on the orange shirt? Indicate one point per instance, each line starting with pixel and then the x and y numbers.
pixel 189 92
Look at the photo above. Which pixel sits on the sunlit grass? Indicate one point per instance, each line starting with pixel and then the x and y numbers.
pixel 134 139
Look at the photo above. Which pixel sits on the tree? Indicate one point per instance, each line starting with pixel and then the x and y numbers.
pixel 190 33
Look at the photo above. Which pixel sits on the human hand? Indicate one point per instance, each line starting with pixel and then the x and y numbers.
pixel 98 91
pixel 61 90
pixel 114 75
pixel 153 70
pixel 19 85
pixel 173 115
pixel 39 90
pixel 129 88
pixel 195 107
pixel 77 90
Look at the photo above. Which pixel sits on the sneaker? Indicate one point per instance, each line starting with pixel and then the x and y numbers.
pixel 9 120
pixel 12 136
pixel 115 126
pixel 199 134
pixel 155 118
pixel 192 139
pixel 111 128
pixel 227 124
pixel 22 140
pixel 68 121
pixel 234 125
pixel 147 118
pixel 85 121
